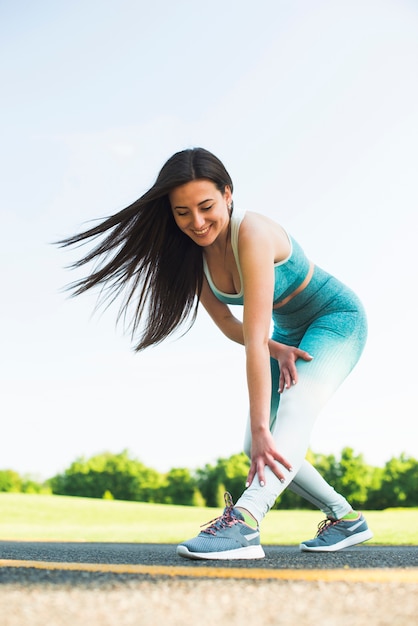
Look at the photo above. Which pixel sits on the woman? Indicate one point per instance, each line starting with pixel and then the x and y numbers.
pixel 180 244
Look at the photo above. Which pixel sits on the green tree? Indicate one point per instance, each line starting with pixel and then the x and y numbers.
pixel 355 478
pixel 207 482
pixel 349 475
pixel 10 481
pixel 377 477
pixel 123 477
pixel 180 487
pixel 398 486
pixel 233 474
pixel 228 474
pixel 30 485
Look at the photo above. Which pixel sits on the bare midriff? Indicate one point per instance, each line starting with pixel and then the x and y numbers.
pixel 298 290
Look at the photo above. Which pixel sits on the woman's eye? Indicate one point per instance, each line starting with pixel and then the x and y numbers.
pixel 185 213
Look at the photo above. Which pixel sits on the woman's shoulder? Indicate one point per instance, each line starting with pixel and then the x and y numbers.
pixel 252 219
pixel 254 224
pixel 262 230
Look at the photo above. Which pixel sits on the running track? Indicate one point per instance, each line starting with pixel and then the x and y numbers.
pixel 358 564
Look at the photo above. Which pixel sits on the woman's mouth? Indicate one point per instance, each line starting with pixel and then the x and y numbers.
pixel 202 232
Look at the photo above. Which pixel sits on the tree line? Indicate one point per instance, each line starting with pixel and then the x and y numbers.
pixel 121 477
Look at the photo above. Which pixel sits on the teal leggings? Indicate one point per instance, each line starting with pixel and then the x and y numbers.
pixel 328 321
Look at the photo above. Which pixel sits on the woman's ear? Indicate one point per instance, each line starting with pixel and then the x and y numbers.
pixel 228 195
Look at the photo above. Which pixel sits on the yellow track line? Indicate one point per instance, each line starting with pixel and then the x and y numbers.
pixel 408 575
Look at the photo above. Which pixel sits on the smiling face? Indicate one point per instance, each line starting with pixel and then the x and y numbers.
pixel 201 211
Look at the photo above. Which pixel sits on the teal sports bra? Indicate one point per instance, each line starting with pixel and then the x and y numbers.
pixel 289 273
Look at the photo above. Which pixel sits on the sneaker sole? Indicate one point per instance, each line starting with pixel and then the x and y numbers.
pixel 345 543
pixel 250 552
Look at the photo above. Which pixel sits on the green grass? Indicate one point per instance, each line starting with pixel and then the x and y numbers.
pixel 27 517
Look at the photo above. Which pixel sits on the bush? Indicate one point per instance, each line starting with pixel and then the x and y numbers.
pixel 10 481
pixel 123 477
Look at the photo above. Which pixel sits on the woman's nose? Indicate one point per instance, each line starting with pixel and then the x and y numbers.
pixel 198 221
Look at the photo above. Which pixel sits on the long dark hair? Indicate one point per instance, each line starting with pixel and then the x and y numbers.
pixel 145 256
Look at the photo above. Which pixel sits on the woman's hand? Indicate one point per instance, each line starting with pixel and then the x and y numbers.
pixel 264 454
pixel 287 357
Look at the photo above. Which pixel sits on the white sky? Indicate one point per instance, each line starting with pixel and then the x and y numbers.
pixel 312 106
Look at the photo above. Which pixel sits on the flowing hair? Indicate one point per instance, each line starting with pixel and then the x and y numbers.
pixel 143 255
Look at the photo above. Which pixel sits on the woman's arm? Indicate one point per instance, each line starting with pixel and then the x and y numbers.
pixel 257 252
pixel 257 255
pixel 232 328
pixel 221 314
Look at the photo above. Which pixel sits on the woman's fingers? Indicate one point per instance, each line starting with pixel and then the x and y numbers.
pixel 302 354
pixel 251 475
pixel 288 369
pixel 285 463
pixel 260 474
pixel 257 469
pixel 287 378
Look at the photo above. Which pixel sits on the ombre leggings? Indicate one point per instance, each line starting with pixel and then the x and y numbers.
pixel 328 321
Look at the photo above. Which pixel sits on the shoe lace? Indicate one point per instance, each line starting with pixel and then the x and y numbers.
pixel 226 520
pixel 325 525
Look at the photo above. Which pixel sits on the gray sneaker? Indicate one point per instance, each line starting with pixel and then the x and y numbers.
pixel 227 537
pixel 335 535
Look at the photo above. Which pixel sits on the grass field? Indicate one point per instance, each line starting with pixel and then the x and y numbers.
pixel 26 517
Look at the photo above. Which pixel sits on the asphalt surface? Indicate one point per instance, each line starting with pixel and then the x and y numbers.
pixel 105 584
pixel 362 556
pixel 17 555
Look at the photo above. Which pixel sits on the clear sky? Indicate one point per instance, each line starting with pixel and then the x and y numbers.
pixel 312 106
